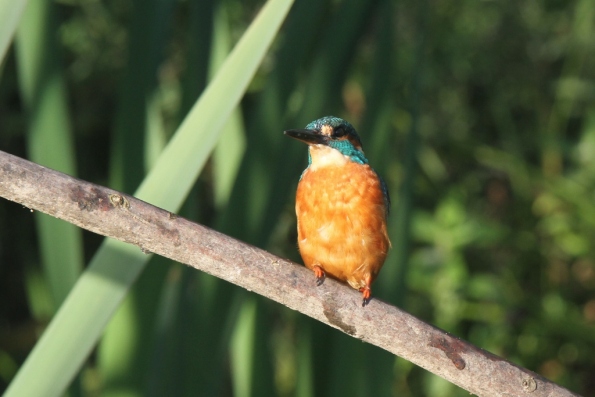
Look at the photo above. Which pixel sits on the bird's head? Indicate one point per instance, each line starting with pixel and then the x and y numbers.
pixel 334 133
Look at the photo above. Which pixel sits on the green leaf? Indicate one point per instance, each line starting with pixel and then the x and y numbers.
pixel 80 321
pixel 49 141
pixel 10 15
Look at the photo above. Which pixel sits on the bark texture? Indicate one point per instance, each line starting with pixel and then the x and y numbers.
pixel 116 215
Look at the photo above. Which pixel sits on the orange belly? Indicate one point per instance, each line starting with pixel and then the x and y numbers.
pixel 342 222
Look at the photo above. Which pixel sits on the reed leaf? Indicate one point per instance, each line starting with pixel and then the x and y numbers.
pixel 80 321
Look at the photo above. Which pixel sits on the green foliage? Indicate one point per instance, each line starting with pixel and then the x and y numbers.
pixel 480 116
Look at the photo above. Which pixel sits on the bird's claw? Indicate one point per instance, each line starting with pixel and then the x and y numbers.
pixel 366 295
pixel 320 275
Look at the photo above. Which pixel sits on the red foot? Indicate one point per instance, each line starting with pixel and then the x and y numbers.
pixel 366 293
pixel 319 273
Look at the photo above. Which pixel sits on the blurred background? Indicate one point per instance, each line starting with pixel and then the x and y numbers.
pixel 480 115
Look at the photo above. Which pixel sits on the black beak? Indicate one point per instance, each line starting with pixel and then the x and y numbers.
pixel 311 137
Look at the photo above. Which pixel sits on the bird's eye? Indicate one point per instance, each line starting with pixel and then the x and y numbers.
pixel 339 132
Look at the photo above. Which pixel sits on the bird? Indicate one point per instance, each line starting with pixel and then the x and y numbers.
pixel 342 206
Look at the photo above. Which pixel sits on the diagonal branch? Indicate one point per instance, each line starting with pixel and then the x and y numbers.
pixel 113 214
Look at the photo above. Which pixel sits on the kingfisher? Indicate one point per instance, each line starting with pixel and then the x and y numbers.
pixel 342 206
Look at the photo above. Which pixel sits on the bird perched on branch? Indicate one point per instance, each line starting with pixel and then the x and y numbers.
pixel 342 206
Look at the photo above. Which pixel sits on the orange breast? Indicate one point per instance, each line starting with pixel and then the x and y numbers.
pixel 342 222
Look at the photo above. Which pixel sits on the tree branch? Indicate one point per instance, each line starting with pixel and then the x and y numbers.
pixel 113 214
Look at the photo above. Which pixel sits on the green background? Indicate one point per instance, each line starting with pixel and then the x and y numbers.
pixel 480 115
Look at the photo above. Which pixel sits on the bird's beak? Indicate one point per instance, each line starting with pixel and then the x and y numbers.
pixel 311 137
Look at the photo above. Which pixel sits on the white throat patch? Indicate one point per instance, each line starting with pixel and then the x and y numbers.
pixel 324 156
